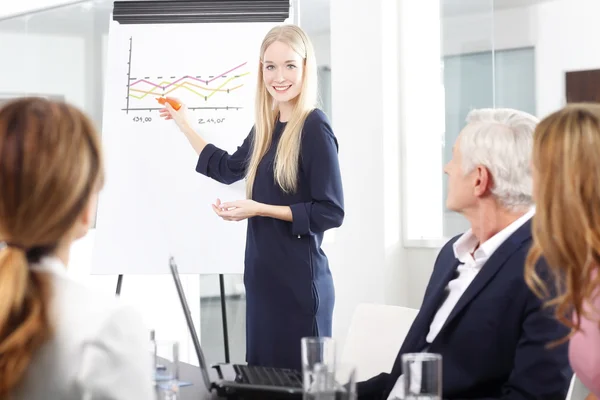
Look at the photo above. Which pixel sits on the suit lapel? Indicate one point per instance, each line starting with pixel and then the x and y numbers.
pixel 415 339
pixel 490 269
pixel 435 297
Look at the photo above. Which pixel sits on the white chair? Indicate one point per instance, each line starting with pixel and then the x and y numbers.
pixel 375 336
pixel 571 387
pixel 577 390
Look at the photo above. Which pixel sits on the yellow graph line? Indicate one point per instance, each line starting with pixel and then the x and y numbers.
pixel 182 85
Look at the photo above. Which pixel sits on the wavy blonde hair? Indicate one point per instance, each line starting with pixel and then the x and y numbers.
pixel 266 111
pixel 50 164
pixel 566 226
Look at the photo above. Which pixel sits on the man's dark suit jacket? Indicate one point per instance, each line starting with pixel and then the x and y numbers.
pixel 494 342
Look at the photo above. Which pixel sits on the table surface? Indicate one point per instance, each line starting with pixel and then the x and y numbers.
pixel 197 391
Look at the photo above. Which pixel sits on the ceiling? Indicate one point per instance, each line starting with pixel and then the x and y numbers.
pixel 314 15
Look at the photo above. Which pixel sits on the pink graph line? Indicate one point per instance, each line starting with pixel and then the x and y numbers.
pixel 188 77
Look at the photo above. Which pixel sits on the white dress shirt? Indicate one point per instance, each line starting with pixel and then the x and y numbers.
pixel 99 347
pixel 471 262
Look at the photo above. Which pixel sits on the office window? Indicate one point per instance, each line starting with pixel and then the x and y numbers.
pixel 468 84
pixel 501 78
pixel 324 75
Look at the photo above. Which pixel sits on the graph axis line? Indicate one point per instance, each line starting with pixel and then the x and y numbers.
pixel 129 71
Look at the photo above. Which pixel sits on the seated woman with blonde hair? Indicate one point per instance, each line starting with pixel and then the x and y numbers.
pixel 566 229
pixel 57 339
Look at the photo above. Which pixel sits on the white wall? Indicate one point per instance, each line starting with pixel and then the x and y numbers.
pixel 322 45
pixel 564 34
pixel 567 40
pixel 22 73
pixel 367 251
pixel 10 8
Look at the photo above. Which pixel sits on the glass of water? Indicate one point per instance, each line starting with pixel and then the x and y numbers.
pixel 345 382
pixel 166 376
pixel 328 385
pixel 318 364
pixel 422 376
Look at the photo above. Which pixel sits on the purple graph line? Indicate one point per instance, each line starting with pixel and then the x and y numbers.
pixel 188 77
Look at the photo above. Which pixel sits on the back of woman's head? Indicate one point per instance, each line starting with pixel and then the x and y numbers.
pixel 566 226
pixel 50 166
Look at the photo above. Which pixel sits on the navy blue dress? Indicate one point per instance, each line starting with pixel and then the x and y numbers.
pixel 289 288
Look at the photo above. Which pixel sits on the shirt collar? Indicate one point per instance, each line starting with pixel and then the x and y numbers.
pixel 50 264
pixel 464 245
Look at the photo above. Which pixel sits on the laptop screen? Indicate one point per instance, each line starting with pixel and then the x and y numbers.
pixel 190 323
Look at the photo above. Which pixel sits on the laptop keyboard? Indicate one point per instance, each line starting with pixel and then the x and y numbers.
pixel 269 376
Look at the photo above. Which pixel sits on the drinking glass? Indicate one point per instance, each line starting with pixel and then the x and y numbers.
pixel 339 385
pixel 422 376
pixel 318 361
pixel 166 367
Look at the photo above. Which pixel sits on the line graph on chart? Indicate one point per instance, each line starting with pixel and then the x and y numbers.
pixel 219 91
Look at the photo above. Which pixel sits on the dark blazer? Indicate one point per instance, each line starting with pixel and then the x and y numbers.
pixel 494 342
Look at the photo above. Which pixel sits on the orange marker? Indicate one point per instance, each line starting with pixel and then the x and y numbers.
pixel 173 103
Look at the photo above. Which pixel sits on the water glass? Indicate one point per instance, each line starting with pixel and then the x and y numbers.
pixel 422 376
pixel 318 361
pixel 339 385
pixel 166 367
pixel 345 382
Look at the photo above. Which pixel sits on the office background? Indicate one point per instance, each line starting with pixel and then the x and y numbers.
pixel 398 78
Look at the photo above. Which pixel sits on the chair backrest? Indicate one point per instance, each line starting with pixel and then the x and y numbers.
pixel 577 390
pixel 375 336
pixel 571 388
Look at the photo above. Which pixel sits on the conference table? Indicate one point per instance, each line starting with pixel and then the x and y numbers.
pixel 197 391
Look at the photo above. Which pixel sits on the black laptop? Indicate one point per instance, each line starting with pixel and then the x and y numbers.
pixel 238 379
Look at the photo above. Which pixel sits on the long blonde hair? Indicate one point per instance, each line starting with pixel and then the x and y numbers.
pixel 566 226
pixel 288 149
pixel 50 163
